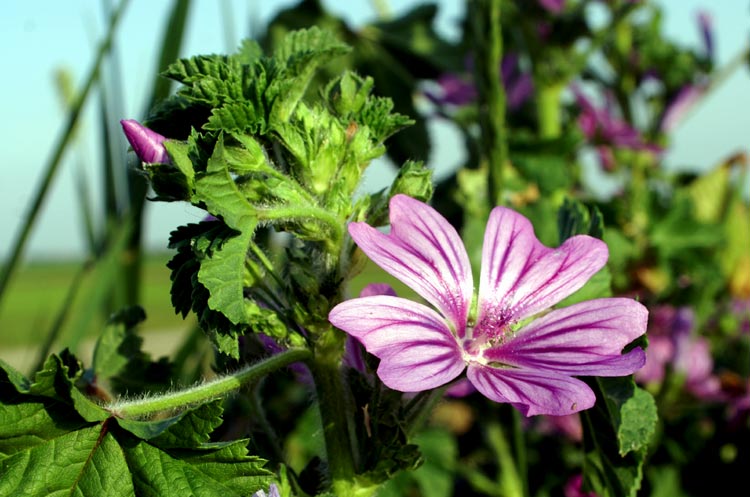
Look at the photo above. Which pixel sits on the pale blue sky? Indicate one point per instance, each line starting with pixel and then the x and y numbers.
pixel 39 36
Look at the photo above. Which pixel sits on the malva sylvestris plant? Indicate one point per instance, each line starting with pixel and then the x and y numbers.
pixel 527 365
pixel 263 153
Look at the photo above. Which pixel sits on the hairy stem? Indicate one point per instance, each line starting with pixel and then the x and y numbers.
pixel 334 412
pixel 209 390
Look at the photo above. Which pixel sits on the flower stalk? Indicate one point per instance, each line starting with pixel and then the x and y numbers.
pixel 209 390
pixel 332 402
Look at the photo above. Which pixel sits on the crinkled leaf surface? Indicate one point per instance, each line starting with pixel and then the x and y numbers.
pixel 55 441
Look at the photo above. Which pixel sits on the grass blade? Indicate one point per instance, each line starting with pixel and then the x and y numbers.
pixel 59 150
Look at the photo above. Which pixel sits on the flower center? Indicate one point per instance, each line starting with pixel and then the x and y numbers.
pixel 494 328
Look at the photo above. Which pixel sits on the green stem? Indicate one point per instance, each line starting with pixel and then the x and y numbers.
pixel 519 443
pixel 334 412
pixel 548 110
pixel 419 409
pixel 209 390
pixel 304 213
pixel 52 166
pixel 488 47
pixel 510 482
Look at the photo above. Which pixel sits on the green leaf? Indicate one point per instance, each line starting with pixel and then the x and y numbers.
pixel 26 422
pixel 223 275
pixel 117 343
pixel 574 218
pixel 301 52
pixel 217 189
pixel 46 448
pixel 82 462
pixel 223 470
pixel 617 431
pixel 190 428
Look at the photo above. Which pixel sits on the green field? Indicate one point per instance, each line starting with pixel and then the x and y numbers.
pixel 37 293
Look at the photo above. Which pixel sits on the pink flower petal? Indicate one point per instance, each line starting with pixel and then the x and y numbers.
pixel 424 251
pixel 582 339
pixel 521 277
pixel 532 392
pixel 416 348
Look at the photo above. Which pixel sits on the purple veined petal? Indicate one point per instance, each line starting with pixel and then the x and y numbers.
pixel 353 351
pixel 148 145
pixel 521 277
pixel 417 350
pixel 532 392
pixel 583 339
pixel 425 252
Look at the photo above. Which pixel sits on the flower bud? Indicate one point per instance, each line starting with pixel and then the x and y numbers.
pixel 148 145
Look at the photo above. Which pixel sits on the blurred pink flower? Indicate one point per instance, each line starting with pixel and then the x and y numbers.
pixel 604 130
pixel 671 342
pixel 552 6
pixel 573 488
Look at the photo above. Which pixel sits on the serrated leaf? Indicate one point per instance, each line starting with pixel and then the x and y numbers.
pixel 26 422
pixel 223 275
pixel 83 462
pixel 218 190
pixel 638 417
pixel 190 428
pixel 46 448
pixel 301 52
pixel 243 117
pixel 227 471
pixel 117 343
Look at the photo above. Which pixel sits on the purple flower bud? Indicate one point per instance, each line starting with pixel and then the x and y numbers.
pixel 148 145
pixel 705 24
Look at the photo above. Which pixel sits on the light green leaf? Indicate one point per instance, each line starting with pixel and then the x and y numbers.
pixel 83 462
pixel 223 275
pixel 32 422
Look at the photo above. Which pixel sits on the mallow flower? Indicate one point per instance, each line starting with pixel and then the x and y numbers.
pixel 507 358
